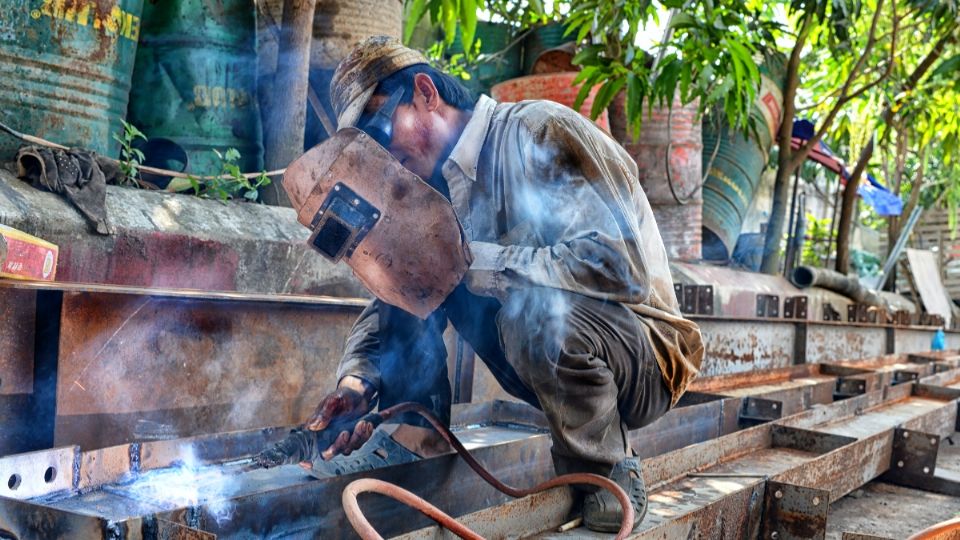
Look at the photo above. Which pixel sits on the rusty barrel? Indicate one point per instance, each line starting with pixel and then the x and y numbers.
pixel 667 151
pixel 65 69
pixel 733 175
pixel 557 87
pixel 195 80
pixel 541 39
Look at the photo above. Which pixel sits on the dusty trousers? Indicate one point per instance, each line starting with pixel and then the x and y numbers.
pixel 586 363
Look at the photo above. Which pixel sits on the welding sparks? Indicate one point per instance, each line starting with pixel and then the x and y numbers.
pixel 189 483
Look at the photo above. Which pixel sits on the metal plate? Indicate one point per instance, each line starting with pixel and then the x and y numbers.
pixel 142 368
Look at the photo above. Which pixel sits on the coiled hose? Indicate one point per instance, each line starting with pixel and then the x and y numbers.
pixel 364 485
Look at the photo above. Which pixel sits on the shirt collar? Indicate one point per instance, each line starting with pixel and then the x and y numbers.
pixel 466 153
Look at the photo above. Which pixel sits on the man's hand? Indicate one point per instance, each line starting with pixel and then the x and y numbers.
pixel 351 399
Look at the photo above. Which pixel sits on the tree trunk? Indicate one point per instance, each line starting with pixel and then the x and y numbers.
pixel 850 190
pixel 785 159
pixel 284 134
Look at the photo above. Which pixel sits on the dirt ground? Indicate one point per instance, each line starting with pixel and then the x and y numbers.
pixel 889 511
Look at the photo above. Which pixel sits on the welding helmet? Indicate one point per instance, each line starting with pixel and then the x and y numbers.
pixel 400 236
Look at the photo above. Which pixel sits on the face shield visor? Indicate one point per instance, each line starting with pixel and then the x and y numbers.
pixel 399 235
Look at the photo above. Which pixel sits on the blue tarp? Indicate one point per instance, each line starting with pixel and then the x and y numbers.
pixel 873 192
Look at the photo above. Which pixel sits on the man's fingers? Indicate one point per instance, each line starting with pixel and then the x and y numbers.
pixel 338 446
pixel 329 409
pixel 361 434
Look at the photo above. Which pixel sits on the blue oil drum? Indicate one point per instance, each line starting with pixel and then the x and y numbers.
pixel 195 80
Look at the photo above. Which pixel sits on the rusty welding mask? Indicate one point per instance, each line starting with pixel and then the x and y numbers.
pixel 399 235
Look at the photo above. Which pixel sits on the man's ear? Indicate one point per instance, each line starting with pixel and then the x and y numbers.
pixel 426 90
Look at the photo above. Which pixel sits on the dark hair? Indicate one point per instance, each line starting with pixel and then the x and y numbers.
pixel 451 91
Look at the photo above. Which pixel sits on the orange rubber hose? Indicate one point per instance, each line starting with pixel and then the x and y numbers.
pixel 945 529
pixel 367 532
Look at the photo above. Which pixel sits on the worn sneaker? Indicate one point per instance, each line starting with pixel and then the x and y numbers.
pixel 601 510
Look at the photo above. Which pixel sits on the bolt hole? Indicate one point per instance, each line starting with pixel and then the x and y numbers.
pixel 50 475
pixel 14 482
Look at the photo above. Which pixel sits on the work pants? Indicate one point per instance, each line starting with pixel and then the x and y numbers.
pixel 586 363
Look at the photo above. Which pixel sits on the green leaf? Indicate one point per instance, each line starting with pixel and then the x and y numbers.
pixel 606 94
pixel 682 20
pixel 418 8
pixel 448 20
pixel 582 94
pixel 947 67
pixel 468 24
pixel 536 6
pixel 588 55
pixel 634 102
pixel 232 155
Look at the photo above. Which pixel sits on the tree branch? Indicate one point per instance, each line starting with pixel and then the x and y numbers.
pixel 801 154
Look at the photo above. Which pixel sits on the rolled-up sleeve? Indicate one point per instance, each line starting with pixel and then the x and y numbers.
pixel 361 357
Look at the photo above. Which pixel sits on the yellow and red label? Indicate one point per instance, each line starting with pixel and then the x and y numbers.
pixel 27 257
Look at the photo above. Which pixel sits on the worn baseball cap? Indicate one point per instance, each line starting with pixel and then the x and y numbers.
pixel 357 76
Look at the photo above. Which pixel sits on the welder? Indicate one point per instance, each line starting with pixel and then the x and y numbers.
pixel 563 289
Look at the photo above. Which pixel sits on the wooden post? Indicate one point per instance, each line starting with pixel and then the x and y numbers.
pixel 283 138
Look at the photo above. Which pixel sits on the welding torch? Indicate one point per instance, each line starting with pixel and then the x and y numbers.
pixel 302 444
pixel 305 445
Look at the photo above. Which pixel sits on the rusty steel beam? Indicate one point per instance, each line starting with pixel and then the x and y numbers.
pixel 144 367
pixel 706 476
pixel 716 489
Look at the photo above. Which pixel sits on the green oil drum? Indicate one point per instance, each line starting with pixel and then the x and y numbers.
pixel 733 175
pixel 195 80
pixel 65 70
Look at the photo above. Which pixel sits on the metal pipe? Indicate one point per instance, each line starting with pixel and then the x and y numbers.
pixel 808 276
pixel 898 247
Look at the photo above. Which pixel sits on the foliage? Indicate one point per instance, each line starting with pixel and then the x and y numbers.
pixel 456 65
pixel 526 13
pixel 816 248
pixel 449 14
pixel 130 157
pixel 230 183
pixel 710 52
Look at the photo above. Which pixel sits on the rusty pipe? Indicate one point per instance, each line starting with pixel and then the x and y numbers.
pixel 367 532
pixel 808 276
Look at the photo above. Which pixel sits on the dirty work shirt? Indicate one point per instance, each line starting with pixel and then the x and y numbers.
pixel 548 201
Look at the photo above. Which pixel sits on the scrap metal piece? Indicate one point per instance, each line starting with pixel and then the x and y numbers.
pixel 914 457
pixel 795 307
pixel 768 305
pixel 849 387
pixel 830 313
pixel 901 376
pixel 794 512
pixel 705 300
pixel 757 410
pixel 690 299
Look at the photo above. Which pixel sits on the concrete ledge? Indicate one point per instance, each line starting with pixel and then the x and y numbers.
pixel 177 241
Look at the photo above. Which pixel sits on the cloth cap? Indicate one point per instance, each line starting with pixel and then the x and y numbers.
pixel 357 75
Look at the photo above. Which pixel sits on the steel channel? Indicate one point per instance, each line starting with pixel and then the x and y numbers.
pixel 233 365
pixel 848 443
